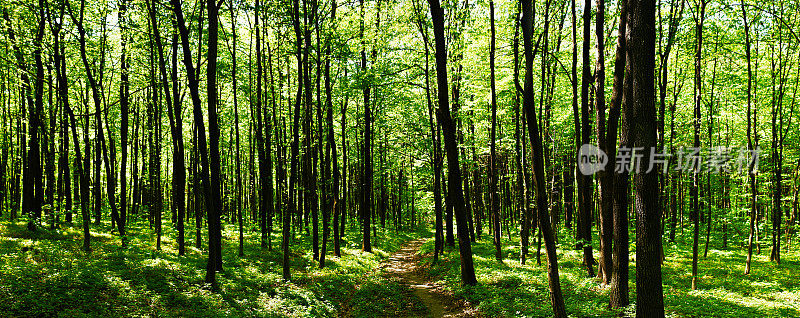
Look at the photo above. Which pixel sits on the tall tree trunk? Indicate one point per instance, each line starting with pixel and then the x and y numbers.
pixel 215 207
pixel 295 141
pixel 33 192
pixel 585 203
pixel 698 90
pixel 448 127
pixel 640 120
pixel 493 157
pixel 366 176
pixel 262 162
pixel 606 190
pixel 751 131
pixel 619 180
pixel 331 164
pixel 556 298
pixel 124 93
pixel 238 190
pixel 194 91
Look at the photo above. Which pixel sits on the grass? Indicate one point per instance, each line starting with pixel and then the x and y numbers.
pixel 509 289
pixel 46 274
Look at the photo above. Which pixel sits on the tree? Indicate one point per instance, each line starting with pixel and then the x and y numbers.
pixel 752 141
pixel 585 181
pixel 619 181
pixel 366 175
pixel 495 204
pixel 698 91
pixel 214 209
pixel 640 119
pixel 605 268
pixel 556 298
pixel 448 128
pixel 194 90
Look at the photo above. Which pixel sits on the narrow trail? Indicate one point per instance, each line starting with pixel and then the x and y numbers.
pixel 403 266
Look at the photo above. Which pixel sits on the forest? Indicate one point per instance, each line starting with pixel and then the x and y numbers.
pixel 399 158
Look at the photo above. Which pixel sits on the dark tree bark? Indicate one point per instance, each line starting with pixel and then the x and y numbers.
pixel 269 123
pixel 605 268
pixel 33 186
pixel 556 298
pixel 366 176
pixel 194 91
pixel 124 93
pixel 619 180
pixel 698 91
pixel 176 126
pixel 640 113
pixel 493 157
pixel 215 207
pixel 96 97
pixel 287 215
pixel 448 127
pixel 585 204
pixel 262 162
pixel 331 165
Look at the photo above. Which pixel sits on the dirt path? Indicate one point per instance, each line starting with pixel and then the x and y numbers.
pixel 403 266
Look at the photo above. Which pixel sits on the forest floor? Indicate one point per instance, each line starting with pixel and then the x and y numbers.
pixel 403 265
pixel 45 274
pixel 510 289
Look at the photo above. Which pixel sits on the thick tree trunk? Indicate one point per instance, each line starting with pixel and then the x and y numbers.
pixel 640 118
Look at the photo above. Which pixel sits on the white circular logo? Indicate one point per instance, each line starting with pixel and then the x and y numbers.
pixel 591 159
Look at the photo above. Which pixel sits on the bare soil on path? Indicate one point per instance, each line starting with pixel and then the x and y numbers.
pixel 404 266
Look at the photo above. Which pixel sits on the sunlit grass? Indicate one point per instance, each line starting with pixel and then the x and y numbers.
pixel 45 273
pixel 510 289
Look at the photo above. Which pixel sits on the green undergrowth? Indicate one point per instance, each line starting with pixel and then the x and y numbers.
pixel 46 274
pixel 509 289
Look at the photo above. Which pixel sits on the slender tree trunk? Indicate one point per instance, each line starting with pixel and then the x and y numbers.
pixel 331 164
pixel 493 158
pixel 448 126
pixel 556 298
pixel 215 207
pixel 698 101
pixel 199 123
pixel 606 189
pixel 295 141
pixel 620 180
pixel 585 203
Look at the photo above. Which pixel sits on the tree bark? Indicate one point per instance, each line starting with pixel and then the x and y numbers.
pixel 448 127
pixel 556 298
pixel 640 115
